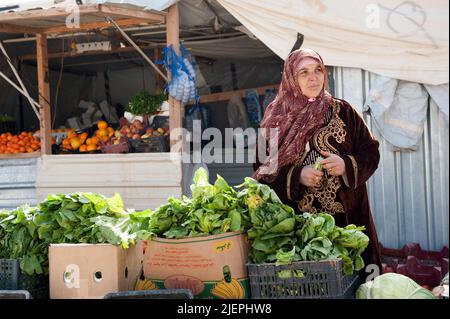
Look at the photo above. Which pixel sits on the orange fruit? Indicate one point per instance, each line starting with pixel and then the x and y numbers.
pixel 71 134
pixel 95 140
pixel 83 148
pixel 83 136
pixel 110 131
pixel 89 141
pixel 91 147
pixel 102 125
pixel 102 132
pixel 75 142
pixel 66 141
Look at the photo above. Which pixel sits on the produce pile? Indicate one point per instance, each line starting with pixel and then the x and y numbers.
pixel 275 232
pixel 26 232
pixel 24 142
pixel 213 209
pixel 84 143
pixel 279 235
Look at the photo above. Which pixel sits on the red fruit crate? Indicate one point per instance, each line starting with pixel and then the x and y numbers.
pixel 423 266
pixel 422 274
pixel 123 146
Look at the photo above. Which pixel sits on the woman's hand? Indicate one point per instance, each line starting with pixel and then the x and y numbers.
pixel 333 163
pixel 310 177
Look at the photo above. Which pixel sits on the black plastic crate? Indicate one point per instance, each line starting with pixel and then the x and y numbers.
pixel 11 278
pixel 151 294
pixel 154 144
pixel 14 294
pixel 37 285
pixel 302 280
pixel 9 274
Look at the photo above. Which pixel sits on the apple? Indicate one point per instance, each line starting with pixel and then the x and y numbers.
pixel 125 130
pixel 136 137
pixel 149 131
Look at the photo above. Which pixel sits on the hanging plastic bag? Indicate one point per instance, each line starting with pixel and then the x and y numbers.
pixel 182 87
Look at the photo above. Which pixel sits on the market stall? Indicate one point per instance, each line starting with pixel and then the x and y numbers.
pixel 144 179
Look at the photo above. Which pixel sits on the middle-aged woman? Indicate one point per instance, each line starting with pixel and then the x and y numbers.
pixel 312 124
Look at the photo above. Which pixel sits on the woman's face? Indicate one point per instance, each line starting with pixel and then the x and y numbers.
pixel 310 78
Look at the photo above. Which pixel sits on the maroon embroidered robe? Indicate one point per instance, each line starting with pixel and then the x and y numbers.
pixel 345 197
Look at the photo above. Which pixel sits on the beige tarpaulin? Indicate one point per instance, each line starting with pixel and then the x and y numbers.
pixel 405 40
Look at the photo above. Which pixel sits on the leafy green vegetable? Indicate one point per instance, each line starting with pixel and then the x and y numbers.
pixel 143 103
pixel 317 165
pixel 19 240
pixel 213 209
pixel 278 235
pixel 272 224
pixel 26 232
pixel 393 286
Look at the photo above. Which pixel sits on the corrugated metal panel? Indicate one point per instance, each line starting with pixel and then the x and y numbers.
pixel 233 173
pixel 17 182
pixel 409 191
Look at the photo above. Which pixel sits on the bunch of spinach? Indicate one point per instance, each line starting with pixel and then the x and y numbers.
pixel 278 235
pixel 19 240
pixel 272 224
pixel 89 218
pixel 26 232
pixel 213 209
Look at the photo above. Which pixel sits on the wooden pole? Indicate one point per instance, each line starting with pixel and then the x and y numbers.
pixel 44 94
pixel 176 109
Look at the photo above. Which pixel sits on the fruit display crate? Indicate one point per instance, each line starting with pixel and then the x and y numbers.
pixel 152 144
pixel 302 280
pixel 123 146
pixel 12 279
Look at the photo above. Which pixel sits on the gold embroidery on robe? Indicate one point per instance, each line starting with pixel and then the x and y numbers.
pixel 326 193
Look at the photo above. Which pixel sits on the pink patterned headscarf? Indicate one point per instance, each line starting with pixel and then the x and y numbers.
pixel 295 116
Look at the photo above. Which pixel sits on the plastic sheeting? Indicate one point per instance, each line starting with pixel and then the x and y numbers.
pixel 407 41
pixel 439 94
pixel 399 110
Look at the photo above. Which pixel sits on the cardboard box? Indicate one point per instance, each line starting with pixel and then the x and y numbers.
pixel 212 266
pixel 87 271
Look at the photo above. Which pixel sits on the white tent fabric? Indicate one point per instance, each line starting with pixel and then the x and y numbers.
pixel 402 40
